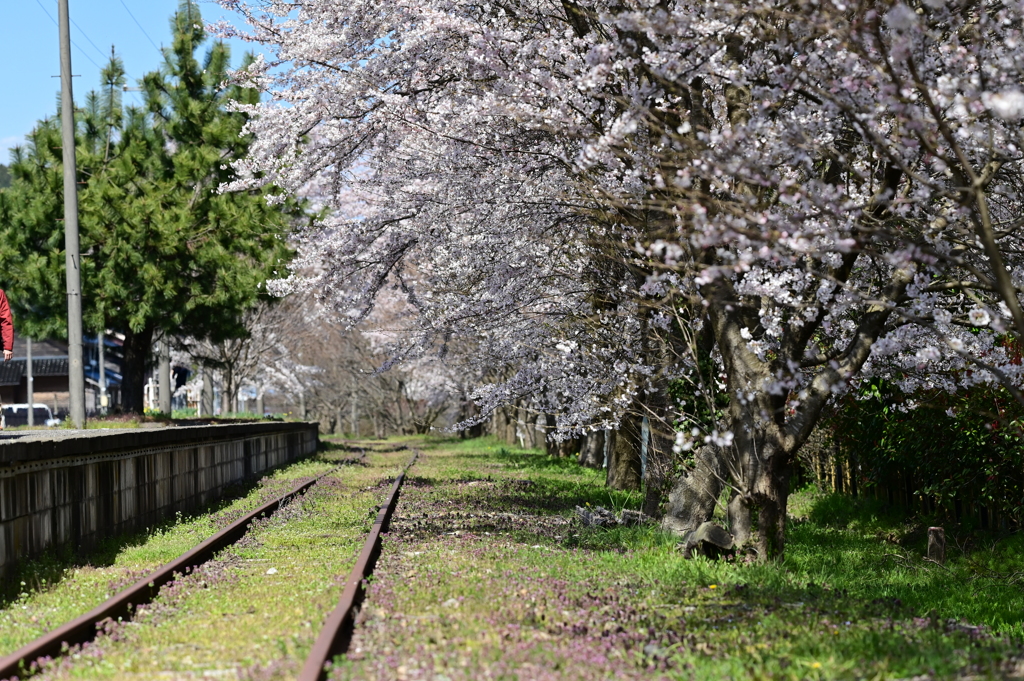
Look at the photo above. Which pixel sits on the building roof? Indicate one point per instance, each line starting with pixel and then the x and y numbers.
pixel 40 348
pixel 12 372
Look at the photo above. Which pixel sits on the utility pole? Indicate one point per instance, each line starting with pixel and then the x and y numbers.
pixel 31 387
pixel 355 415
pixel 72 258
pixel 165 375
pixel 101 339
pixel 206 397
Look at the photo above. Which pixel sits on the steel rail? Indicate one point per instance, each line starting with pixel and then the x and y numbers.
pixel 336 634
pixel 84 628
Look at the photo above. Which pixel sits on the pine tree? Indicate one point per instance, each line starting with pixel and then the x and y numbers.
pixel 162 248
pixel 5 176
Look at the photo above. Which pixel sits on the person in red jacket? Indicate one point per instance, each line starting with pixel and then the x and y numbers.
pixel 6 327
pixel 7 337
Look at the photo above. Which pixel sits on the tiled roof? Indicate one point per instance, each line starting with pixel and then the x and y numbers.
pixel 50 366
pixel 12 372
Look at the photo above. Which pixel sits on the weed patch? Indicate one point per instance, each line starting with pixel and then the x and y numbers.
pixel 487 574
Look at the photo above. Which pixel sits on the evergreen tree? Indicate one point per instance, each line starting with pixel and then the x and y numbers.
pixel 162 248
pixel 5 176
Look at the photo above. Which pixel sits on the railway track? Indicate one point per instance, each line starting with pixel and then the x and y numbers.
pixel 335 633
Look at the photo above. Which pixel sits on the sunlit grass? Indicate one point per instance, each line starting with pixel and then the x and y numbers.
pixel 466 595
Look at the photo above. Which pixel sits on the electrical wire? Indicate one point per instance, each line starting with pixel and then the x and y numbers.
pixel 86 36
pixel 84 53
pixel 140 27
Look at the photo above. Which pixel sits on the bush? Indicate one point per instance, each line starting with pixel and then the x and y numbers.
pixel 955 449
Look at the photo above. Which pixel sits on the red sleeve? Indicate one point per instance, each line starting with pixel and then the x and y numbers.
pixel 6 323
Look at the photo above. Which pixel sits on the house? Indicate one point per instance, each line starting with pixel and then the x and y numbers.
pixel 50 374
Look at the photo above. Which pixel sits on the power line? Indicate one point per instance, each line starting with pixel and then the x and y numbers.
pixel 84 53
pixel 86 36
pixel 139 25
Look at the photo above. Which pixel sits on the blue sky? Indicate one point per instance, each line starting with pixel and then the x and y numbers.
pixel 29 51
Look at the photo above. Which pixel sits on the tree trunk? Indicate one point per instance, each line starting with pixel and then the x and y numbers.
pixel 137 348
pixel 659 457
pixel 739 519
pixel 549 444
pixel 206 397
pixel 624 455
pixel 568 448
pixel 228 396
pixel 509 413
pixel 692 500
pixel 592 451
pixel 770 497
pixel 528 427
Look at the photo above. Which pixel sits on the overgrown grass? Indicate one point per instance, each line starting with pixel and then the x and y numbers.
pixel 45 592
pixel 487 575
pixel 255 610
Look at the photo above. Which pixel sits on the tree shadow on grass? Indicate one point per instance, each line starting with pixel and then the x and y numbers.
pixel 533 460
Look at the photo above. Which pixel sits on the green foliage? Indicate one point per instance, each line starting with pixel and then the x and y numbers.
pixel 5 176
pixel 162 248
pixel 950 446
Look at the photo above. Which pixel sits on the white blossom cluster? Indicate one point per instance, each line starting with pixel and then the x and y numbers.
pixel 828 191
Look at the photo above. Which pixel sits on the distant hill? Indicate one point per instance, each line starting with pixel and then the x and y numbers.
pixel 5 176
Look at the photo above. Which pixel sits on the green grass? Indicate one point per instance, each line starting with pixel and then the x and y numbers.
pixel 260 603
pixel 58 587
pixel 485 575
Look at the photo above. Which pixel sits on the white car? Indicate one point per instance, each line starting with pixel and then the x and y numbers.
pixel 17 415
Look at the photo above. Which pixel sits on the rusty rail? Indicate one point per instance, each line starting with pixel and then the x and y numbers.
pixel 84 628
pixel 337 631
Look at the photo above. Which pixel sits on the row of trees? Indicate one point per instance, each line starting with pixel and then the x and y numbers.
pixel 164 250
pixel 296 359
pixel 716 216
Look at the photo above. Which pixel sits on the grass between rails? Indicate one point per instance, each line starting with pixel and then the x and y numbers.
pixel 46 592
pixel 486 575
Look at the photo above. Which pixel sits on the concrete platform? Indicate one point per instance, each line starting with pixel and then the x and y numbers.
pixel 76 487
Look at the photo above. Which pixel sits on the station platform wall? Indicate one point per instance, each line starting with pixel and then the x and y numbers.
pixel 76 488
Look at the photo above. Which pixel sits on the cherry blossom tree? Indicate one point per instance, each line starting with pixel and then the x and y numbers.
pixel 603 202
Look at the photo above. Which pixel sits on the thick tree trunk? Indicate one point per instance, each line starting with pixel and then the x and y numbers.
pixel 504 426
pixel 739 519
pixel 691 503
pixel 592 451
pixel 137 348
pixel 770 497
pixel 624 455
pixel 659 457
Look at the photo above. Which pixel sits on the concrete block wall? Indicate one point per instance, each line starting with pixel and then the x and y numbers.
pixel 79 487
